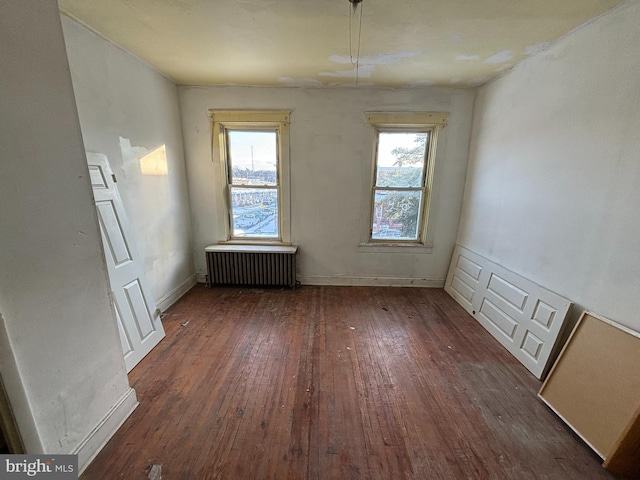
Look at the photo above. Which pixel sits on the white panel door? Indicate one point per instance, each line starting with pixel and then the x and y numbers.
pixel 524 317
pixel 136 313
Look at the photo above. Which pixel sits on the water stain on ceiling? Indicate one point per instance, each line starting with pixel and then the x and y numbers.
pixel 406 43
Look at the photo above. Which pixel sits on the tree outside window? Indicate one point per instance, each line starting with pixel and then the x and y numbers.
pixel 404 155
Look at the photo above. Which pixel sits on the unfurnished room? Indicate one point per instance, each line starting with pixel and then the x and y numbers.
pixel 341 239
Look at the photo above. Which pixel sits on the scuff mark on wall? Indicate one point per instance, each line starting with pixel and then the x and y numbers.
pixel 500 57
pixel 455 80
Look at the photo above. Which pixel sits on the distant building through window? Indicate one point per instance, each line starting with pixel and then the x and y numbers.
pixel 403 175
pixel 252 147
pixel 252 169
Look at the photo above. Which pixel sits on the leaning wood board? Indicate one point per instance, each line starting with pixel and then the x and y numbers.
pixel 594 386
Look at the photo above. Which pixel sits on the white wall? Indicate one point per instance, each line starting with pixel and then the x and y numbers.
pixel 126 110
pixel 60 343
pixel 331 162
pixel 552 190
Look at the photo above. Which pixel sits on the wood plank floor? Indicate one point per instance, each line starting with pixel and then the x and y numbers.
pixel 336 383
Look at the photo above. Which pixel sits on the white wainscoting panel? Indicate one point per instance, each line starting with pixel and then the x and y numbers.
pixel 524 317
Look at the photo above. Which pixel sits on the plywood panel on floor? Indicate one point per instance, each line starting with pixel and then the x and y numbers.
pixel 336 383
pixel 600 366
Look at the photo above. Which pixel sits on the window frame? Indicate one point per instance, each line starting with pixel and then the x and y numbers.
pixel 405 122
pixel 223 121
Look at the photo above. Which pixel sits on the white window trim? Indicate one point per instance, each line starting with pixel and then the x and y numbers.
pixel 247 119
pixel 404 121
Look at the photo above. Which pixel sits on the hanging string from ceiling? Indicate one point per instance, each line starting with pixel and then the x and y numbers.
pixel 352 13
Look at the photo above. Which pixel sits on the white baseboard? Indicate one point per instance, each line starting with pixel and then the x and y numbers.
pixel 201 277
pixel 174 295
pixel 371 281
pixel 88 448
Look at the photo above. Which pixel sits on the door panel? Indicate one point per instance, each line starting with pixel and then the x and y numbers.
pixel 139 309
pixel 124 338
pixel 135 310
pixel 524 317
pixel 117 244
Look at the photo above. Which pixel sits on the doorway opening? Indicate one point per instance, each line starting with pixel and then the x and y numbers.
pixel 10 439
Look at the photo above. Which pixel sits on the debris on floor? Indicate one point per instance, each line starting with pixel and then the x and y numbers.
pixel 155 472
pixel 184 324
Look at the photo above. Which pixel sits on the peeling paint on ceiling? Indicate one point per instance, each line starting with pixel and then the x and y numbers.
pixel 420 83
pixel 536 48
pixel 306 43
pixel 299 82
pixel 379 59
pixel 464 58
pixel 500 57
pixel 364 71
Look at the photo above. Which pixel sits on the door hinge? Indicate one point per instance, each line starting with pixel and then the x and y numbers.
pixel 115 180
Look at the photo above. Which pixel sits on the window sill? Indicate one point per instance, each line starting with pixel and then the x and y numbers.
pixel 406 248
pixel 251 248
pixel 254 242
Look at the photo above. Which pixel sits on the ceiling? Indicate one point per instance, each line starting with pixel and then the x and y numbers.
pixel 404 43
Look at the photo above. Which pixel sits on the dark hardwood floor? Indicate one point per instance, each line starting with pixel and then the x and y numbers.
pixel 336 383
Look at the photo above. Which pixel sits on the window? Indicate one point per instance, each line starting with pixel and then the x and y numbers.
pixel 252 148
pixel 404 157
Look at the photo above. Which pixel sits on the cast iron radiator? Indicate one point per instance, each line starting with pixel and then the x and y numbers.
pixel 251 265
